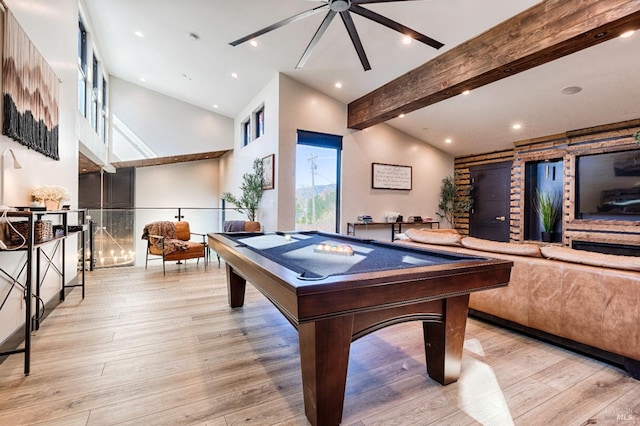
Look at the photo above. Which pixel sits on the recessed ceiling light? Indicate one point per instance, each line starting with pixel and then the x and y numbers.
pixel 253 43
pixel 517 126
pixel 338 85
pixel 139 33
pixel 143 79
pixel 215 106
pixel 406 40
pixel 466 92
pixel 234 75
pixel 448 141
pixel 627 33
pixel 571 90
pixel 401 116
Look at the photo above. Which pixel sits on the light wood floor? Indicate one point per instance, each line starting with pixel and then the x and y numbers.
pixel 151 350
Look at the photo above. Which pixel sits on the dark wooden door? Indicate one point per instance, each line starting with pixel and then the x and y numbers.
pixel 491 195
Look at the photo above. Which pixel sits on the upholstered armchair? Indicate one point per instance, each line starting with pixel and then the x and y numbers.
pixel 170 241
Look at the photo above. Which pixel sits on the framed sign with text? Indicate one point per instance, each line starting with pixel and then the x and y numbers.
pixel 390 176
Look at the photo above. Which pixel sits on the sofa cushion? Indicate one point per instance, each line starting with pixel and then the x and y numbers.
pixel 567 254
pixel 501 247
pixel 446 237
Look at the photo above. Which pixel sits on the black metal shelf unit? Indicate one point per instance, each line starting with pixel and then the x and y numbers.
pixel 45 262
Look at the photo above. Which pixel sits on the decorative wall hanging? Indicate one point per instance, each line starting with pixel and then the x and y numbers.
pixel 30 93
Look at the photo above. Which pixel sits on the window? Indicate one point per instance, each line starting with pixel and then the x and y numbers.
pixel 82 69
pixel 318 158
pixel 246 132
pixel 104 117
pixel 94 94
pixel 259 122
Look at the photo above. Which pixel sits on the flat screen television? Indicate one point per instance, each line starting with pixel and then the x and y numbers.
pixel 608 186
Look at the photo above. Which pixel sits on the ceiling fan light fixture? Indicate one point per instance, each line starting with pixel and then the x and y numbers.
pixel 339 5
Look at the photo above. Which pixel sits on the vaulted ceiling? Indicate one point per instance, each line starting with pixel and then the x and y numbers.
pixel 185 53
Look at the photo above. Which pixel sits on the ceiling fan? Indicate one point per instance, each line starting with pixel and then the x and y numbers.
pixel 343 7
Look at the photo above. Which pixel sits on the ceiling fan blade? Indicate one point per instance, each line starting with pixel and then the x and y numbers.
pixel 316 37
pixel 355 39
pixel 279 24
pixel 382 20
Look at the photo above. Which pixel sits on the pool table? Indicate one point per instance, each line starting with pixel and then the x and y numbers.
pixel 335 289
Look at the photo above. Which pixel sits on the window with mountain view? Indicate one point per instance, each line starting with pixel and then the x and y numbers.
pixel 317 181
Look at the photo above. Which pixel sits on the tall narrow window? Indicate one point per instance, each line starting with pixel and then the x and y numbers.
pixel 246 132
pixel 82 69
pixel 318 157
pixel 259 122
pixel 104 118
pixel 94 94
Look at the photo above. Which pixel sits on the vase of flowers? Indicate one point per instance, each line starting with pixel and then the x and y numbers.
pixel 51 195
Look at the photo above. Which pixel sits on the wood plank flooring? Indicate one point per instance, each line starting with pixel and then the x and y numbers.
pixel 143 349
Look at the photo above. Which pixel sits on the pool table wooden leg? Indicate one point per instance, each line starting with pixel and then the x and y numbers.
pixel 236 286
pixel 444 341
pixel 324 356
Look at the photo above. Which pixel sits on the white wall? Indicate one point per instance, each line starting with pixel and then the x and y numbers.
pixel 52 27
pixel 385 144
pixel 307 109
pixel 240 161
pixel 171 126
pixel 192 186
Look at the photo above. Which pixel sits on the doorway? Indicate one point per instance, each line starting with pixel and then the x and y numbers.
pixel 491 193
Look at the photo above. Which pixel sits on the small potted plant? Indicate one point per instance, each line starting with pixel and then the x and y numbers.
pixel 547 204
pixel 252 187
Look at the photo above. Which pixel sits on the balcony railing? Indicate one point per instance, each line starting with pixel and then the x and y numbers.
pixel 116 233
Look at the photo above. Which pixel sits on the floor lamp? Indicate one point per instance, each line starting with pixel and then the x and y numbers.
pixel 16 165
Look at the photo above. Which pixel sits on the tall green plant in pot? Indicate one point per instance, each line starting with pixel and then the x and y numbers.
pixel 547 205
pixel 252 184
pixel 455 200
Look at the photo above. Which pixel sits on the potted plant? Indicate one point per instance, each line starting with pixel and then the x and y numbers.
pixel 547 204
pixel 252 187
pixel 454 199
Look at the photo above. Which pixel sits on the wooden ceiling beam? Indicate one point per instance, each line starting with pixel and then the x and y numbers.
pixel 543 33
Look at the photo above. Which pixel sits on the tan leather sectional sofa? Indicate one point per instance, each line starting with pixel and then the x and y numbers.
pixel 587 301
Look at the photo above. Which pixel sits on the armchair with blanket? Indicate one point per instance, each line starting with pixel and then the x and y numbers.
pixel 171 241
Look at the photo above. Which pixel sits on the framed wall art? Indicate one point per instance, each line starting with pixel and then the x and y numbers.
pixel 390 176
pixel 268 171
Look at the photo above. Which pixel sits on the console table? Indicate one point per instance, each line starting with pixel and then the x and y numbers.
pixel 396 227
pixel 36 264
